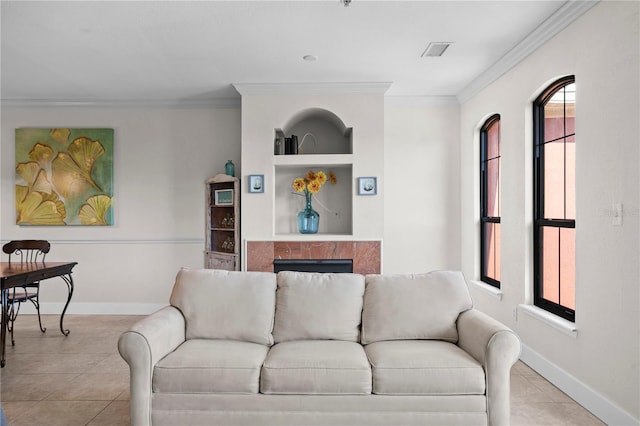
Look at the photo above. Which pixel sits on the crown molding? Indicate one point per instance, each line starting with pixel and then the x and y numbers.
pixel 122 103
pixel 310 88
pixel 565 15
pixel 421 100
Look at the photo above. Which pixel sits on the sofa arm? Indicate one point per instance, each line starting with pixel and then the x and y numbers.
pixel 497 348
pixel 142 346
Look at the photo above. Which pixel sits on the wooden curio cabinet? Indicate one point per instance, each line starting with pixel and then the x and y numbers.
pixel 222 249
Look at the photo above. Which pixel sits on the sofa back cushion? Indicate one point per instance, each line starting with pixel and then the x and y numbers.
pixel 414 306
pixel 228 305
pixel 314 306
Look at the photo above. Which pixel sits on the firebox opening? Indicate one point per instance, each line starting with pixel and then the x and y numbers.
pixel 313 265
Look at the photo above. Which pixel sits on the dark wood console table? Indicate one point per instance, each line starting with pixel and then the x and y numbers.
pixel 15 274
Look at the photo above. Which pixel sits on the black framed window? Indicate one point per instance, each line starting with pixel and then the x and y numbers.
pixel 554 216
pixel 490 199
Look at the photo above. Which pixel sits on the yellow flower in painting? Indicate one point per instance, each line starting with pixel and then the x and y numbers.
pixel 314 186
pixel 299 184
pixel 311 175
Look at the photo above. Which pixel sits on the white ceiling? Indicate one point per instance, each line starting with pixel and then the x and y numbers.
pixel 195 50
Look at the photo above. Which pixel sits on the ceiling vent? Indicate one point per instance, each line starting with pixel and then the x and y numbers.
pixel 435 48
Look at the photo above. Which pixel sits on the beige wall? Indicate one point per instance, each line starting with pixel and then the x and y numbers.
pixel 601 48
pixel 422 175
pixel 162 157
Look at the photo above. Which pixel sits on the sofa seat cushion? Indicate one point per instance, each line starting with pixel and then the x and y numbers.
pixel 424 367
pixel 316 367
pixel 211 366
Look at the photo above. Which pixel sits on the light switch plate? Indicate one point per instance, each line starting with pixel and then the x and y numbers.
pixel 616 219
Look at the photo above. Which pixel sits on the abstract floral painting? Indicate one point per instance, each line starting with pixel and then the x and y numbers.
pixel 64 176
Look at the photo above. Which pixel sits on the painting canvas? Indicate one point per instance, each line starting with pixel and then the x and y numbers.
pixel 64 176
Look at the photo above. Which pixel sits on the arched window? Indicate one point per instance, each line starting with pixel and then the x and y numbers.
pixel 490 201
pixel 554 114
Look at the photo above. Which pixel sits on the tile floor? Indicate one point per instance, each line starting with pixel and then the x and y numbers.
pixel 52 380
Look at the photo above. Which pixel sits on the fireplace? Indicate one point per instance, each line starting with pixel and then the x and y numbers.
pixel 365 255
pixel 313 265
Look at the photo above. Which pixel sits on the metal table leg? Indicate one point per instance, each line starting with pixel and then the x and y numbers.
pixel 69 281
pixel 5 316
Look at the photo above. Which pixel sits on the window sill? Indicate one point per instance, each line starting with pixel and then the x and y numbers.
pixel 561 324
pixel 495 292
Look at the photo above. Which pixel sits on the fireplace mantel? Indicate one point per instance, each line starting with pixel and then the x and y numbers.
pixel 366 255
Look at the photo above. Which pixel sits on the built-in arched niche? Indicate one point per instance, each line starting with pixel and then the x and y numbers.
pixel 318 131
pixel 324 143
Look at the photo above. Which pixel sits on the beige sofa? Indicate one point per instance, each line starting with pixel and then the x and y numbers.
pixel 293 348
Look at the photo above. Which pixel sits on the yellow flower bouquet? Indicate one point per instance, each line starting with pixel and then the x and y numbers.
pixel 313 181
pixel 309 219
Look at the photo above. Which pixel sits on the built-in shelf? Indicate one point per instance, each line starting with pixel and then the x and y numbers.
pixel 222 233
pixel 325 144
pixel 312 237
pixel 313 160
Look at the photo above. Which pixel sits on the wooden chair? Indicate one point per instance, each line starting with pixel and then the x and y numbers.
pixel 25 251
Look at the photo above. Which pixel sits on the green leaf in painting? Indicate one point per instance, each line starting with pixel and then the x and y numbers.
pixel 74 167
pixel 94 211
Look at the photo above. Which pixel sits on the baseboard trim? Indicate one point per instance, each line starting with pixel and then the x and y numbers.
pixel 601 407
pixel 94 308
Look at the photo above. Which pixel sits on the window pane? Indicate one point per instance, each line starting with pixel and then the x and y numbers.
pixel 560 179
pixel 560 113
pixel 570 119
pixel 554 167
pixel 554 124
pixel 493 140
pixel 570 173
pixel 493 188
pixel 492 250
pixel 570 108
pixel 558 265
pixel 550 264
pixel 567 267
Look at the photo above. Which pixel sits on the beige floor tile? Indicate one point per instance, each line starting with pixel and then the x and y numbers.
pixel 61 413
pixel 92 387
pixel 112 363
pixel 14 409
pixel 523 369
pixel 60 344
pixel 48 364
pixel 522 391
pixel 554 394
pixel 116 414
pixel 124 396
pixel 32 387
pixel 546 413
pixel 42 344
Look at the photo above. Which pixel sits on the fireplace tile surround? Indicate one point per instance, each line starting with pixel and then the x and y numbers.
pixel 366 255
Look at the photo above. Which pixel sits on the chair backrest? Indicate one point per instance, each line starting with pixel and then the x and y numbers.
pixel 30 251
